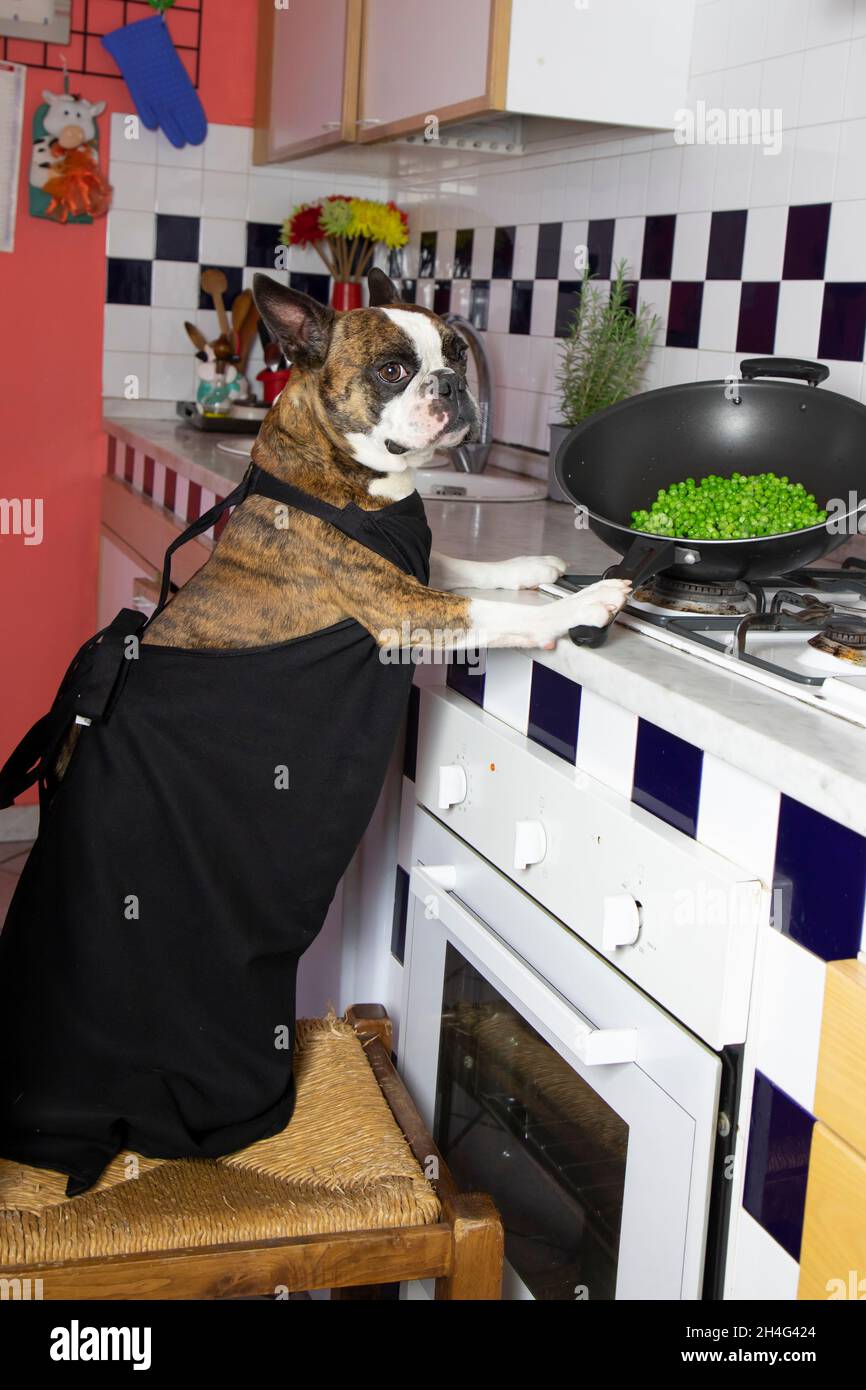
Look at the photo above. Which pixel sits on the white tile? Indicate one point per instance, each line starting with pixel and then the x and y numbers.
pixel 830 21
pixel 131 234
pixel 578 190
pixel 633 176
pixel 847 377
pixel 855 81
pixel 482 253
pixel 223 241
pixel 746 32
pixel 738 817
pixel 268 199
pixel 698 177
pixel 172 377
pixel 181 492
pixel 424 293
pixel 771 174
pixel 499 311
pixel 781 84
pixel 859 18
pixel 130 141
pixel 720 314
pixel 799 318
pixel 786 27
pixel 525 251
pixel 628 244
pixel 175 285
pixel 665 176
pixel 138 469
pixel 461 297
pixel 656 295
pixel 573 249
pixel 846 242
pixel 765 243
pixel 741 90
pixel 763 1271
pixel 851 161
pixel 733 176
pixel 167 333
pixel 224 194
pixel 187 157
pixel 507 685
pixel 133 186
pixel 790 1007
pixel 691 245
pixel 445 253
pixel 544 297
pixel 125 374
pixel 680 364
pixel 228 147
pixel 822 95
pixel 178 191
pixel 710 36
pixel 605 182
pixel 606 741
pixel 717 366
pixel 127 327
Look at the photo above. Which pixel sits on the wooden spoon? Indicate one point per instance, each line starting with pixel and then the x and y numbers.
pixel 214 283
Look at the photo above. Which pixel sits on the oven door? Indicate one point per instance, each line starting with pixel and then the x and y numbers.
pixel 552 1083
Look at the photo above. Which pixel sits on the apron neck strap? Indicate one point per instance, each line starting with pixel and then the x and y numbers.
pixel 203 523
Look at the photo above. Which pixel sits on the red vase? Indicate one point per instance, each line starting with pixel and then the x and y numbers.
pixel 346 294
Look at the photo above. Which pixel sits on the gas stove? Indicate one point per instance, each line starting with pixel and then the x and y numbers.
pixel 802 634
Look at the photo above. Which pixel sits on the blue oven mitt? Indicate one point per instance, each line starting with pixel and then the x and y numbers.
pixel 157 80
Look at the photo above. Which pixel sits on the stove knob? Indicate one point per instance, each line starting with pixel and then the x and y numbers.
pixel 621 922
pixel 530 843
pixel 452 786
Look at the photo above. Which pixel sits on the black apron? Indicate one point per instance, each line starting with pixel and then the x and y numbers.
pixel 183 864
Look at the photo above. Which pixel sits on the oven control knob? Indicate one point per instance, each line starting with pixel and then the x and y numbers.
pixel 452 786
pixel 530 843
pixel 621 922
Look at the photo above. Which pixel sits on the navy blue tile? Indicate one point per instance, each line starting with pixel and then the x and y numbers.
pixel 759 306
pixel 667 777
pixel 843 322
pixel 727 244
pixel 521 306
pixel 479 304
pixel 410 748
pixel 463 242
pixel 395 263
pixel 599 245
pixel 408 289
pixel 442 297
pixel 806 242
pixel 630 295
pixel 128 281
pixel 177 238
pixel 503 253
pixel 401 913
pixel 684 313
pixel 427 256
pixel 777 1164
pixel 819 881
pixel 466 675
pixel 554 711
pixel 234 284
pixel 309 282
pixel 547 256
pixel 658 247
pixel 567 305
pixel 263 243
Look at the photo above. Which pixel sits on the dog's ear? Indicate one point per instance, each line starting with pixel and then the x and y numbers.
pixel 382 289
pixel 301 325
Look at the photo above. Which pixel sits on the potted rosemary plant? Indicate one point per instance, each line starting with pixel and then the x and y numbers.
pixel 603 358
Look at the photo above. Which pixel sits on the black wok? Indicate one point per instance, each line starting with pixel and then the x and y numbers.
pixel 616 461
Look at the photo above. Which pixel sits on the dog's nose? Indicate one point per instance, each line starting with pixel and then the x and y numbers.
pixel 446 382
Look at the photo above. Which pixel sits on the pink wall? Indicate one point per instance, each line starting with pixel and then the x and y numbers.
pixel 52 291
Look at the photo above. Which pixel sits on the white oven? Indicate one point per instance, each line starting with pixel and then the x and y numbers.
pixel 553 1083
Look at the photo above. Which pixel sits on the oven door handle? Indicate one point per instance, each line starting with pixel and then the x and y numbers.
pixel 430 884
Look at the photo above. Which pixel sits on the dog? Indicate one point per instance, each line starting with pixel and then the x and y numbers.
pixel 373 393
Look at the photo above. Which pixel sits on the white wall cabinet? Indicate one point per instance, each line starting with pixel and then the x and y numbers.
pixel 341 71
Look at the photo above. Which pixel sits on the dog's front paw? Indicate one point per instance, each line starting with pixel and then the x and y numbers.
pixel 594 606
pixel 528 571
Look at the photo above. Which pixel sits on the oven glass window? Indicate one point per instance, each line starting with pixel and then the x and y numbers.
pixel 513 1119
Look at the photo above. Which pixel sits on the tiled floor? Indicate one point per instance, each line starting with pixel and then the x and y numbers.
pixel 13 854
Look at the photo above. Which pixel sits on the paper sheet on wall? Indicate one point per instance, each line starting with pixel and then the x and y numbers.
pixel 11 123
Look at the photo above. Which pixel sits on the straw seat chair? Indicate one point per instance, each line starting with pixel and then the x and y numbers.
pixel 339 1200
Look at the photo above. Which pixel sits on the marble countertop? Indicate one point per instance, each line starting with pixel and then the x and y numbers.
pixel 815 757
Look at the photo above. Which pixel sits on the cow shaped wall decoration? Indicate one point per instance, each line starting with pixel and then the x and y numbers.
pixel 66 182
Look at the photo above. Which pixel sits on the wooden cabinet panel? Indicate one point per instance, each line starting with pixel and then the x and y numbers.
pixel 840 1095
pixel 307 78
pixel 833 1253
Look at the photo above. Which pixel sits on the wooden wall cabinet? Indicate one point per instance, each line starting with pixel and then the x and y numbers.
pixel 332 72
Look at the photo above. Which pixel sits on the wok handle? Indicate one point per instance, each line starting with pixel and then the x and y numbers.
pixel 643 559
pixel 797 367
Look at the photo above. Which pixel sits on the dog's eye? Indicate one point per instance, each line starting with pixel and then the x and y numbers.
pixel 392 373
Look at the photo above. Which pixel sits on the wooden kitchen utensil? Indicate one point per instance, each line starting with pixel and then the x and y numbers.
pixel 214 283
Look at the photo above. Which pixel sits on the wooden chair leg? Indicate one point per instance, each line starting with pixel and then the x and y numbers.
pixel 478 1249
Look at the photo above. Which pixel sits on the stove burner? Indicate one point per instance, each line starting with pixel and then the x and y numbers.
pixel 844 637
pixel 690 596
